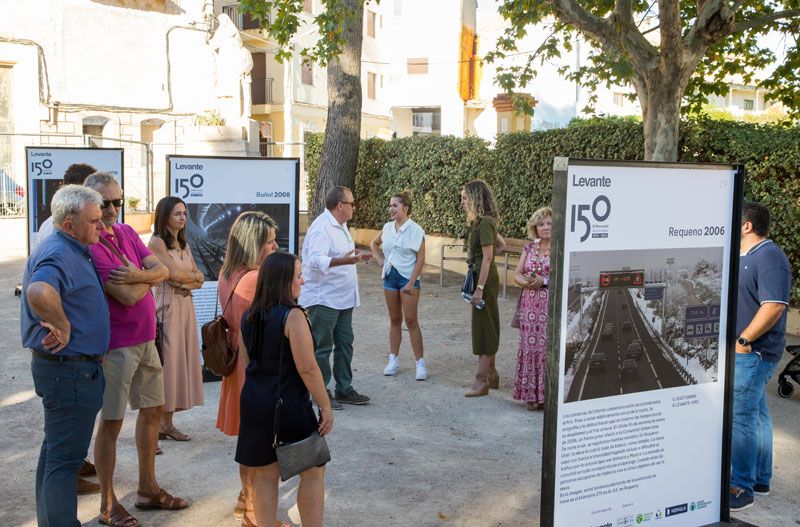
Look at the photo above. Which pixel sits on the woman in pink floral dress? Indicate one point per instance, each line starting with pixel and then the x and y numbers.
pixel 532 275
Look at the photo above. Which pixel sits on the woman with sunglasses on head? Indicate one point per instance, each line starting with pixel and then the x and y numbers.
pixel 402 244
pixel 532 275
pixel 183 377
pixel 250 240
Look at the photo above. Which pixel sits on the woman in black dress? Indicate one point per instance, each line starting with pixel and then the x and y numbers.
pixel 274 328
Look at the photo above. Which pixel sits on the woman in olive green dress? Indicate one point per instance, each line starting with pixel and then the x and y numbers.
pixel 479 204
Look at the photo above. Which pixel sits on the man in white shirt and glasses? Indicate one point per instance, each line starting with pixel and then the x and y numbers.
pixel 330 292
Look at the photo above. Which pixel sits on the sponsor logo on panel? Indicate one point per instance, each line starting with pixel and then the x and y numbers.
pixel 677 509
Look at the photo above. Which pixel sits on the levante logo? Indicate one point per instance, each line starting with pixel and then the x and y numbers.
pixel 599 209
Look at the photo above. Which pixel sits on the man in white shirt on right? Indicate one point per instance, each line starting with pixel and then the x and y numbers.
pixel 330 292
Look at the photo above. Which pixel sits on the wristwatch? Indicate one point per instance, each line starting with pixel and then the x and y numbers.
pixel 742 341
pixel 480 287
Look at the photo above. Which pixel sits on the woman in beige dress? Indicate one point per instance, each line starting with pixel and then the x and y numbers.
pixel 183 378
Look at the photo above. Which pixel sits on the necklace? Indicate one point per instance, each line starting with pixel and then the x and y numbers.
pixel 537 264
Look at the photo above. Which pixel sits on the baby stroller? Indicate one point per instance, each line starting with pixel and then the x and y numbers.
pixel 792 369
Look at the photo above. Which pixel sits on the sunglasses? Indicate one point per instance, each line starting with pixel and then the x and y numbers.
pixel 108 202
pixel 351 203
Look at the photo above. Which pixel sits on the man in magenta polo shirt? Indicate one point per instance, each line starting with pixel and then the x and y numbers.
pixel 132 368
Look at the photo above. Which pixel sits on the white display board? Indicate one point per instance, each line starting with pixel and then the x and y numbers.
pixel 216 190
pixel 45 169
pixel 636 428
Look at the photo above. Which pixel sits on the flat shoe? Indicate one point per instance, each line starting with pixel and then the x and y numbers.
pixel 158 450
pixel 117 516
pixel 87 470
pixel 87 487
pixel 161 501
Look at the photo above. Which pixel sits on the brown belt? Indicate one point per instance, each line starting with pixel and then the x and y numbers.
pixel 181 291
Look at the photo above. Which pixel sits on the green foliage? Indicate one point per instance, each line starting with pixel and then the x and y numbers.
pixel 282 19
pixel 520 168
pixel 733 45
pixel 209 119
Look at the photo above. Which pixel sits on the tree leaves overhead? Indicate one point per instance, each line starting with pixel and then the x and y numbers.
pixel 284 21
pixel 737 55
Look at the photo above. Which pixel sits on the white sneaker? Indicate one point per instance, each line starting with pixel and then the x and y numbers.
pixel 393 367
pixel 422 372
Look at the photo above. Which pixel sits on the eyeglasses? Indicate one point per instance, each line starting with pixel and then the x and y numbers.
pixel 351 203
pixel 108 202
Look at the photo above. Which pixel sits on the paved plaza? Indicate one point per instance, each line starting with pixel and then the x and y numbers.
pixel 419 455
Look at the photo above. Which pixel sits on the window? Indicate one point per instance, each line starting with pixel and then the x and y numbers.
pixel 748 104
pixel 371 85
pixel 619 99
pixel 371 23
pixel 398 7
pixel 426 121
pixel 6 113
pixel 308 73
pixel 418 66
pixel 308 6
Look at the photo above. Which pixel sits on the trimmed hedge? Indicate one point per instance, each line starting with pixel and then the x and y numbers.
pixel 520 167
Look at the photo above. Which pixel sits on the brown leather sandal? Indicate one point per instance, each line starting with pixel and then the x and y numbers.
pixel 174 434
pixel 117 516
pixel 161 501
pixel 241 506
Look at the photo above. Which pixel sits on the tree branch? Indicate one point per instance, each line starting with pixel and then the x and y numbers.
pixel 744 25
pixel 571 12
pixel 669 18
pixel 714 21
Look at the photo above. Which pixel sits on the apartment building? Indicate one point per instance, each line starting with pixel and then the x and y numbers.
pixel 128 73
pixel 291 99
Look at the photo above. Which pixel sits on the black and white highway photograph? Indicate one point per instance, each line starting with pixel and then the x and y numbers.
pixel 208 225
pixel 641 320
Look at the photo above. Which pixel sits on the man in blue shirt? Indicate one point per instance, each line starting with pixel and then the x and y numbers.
pixel 64 322
pixel 765 281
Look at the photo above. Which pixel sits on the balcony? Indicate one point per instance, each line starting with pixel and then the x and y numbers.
pixel 243 21
pixel 262 91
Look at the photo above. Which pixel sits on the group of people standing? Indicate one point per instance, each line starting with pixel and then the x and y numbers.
pixel 112 319
pixel 92 296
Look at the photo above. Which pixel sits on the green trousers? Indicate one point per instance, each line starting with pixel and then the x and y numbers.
pixel 333 332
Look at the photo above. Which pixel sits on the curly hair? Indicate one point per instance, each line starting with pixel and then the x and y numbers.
pixel 537 216
pixel 480 200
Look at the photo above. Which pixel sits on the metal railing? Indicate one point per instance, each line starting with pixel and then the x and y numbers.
pixel 242 20
pixel 506 259
pixel 262 91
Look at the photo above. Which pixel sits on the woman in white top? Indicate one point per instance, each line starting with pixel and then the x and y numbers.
pixel 402 254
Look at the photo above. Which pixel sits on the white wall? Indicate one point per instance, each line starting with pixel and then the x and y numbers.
pixel 100 54
pixel 433 30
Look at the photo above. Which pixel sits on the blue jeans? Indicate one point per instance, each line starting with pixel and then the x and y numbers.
pixel 394 281
pixel 72 394
pixel 751 448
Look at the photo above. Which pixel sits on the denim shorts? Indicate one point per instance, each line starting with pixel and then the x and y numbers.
pixel 394 281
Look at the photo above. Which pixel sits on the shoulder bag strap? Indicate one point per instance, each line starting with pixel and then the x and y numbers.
pixel 277 419
pixel 113 249
pixel 230 296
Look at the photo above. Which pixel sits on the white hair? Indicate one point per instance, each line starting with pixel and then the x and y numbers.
pixel 101 179
pixel 70 200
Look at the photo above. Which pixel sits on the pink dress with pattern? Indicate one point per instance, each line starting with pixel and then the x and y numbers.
pixel 529 381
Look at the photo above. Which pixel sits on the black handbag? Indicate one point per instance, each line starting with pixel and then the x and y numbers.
pixel 294 458
pixel 469 281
